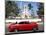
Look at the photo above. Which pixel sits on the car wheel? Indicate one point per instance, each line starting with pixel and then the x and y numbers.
pixel 34 29
pixel 16 30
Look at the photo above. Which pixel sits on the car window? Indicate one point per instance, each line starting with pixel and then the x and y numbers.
pixel 21 22
pixel 27 23
pixel 24 23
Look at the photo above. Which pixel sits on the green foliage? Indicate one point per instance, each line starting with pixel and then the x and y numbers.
pixel 11 7
pixel 29 5
pixel 41 9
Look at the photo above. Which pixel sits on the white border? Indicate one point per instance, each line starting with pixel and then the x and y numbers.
pixel 2 19
pixel 30 0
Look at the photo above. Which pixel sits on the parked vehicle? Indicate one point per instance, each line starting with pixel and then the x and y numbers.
pixel 23 26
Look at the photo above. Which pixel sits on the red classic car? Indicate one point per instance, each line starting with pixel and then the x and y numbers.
pixel 23 26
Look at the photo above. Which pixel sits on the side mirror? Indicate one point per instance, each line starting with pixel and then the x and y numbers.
pixel 16 22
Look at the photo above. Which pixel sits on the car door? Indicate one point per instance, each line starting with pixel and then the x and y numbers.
pixel 25 26
pixel 28 26
pixel 21 26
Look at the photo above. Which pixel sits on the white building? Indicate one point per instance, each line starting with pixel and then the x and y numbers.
pixel 25 11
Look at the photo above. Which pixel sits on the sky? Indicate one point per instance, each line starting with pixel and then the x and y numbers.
pixel 34 4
